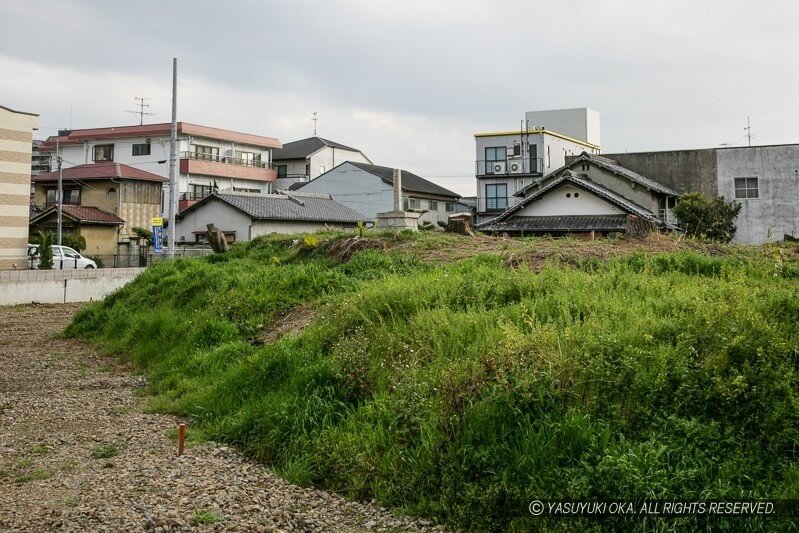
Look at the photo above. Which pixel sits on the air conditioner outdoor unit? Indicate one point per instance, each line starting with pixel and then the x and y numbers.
pixel 516 167
pixel 498 167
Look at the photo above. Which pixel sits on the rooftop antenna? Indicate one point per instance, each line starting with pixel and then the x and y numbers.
pixel 315 121
pixel 725 144
pixel 141 112
pixel 748 130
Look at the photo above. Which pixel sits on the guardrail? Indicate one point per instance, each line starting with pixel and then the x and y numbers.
pixel 242 162
pixel 509 166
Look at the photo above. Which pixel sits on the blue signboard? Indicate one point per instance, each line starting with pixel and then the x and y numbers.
pixel 158 239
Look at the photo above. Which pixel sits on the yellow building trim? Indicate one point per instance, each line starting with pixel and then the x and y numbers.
pixel 536 131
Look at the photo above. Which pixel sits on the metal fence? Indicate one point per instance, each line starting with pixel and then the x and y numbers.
pixel 143 258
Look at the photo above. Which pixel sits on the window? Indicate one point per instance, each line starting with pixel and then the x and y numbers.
pixel 494 154
pixel 549 159
pixel 241 189
pixel 250 159
pixel 103 152
pixel 496 196
pixel 141 149
pixel 414 203
pixel 282 171
pixel 111 193
pixel 517 148
pixel 198 192
pixel 71 197
pixel 433 205
pixel 449 207
pixel 746 188
pixel 206 153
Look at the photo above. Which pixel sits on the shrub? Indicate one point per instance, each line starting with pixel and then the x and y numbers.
pixel 74 241
pixel 144 233
pixel 703 216
pixel 46 251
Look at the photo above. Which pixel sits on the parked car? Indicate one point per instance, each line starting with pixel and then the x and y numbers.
pixel 64 257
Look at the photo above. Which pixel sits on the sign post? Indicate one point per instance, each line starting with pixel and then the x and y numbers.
pixel 158 234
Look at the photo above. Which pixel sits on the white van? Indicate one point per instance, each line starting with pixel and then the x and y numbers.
pixel 64 257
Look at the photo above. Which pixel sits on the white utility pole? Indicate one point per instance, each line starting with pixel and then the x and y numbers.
pixel 173 182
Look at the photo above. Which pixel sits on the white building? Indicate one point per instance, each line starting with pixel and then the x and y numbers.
pixel 507 161
pixel 369 189
pixel 301 161
pixel 208 157
pixel 244 216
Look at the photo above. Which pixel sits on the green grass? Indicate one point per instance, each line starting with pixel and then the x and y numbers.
pixel 464 391
pixel 206 517
pixel 107 451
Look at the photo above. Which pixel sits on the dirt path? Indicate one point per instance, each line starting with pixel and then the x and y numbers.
pixel 78 453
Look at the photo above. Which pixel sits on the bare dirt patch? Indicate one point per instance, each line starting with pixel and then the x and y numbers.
pixel 292 321
pixel 77 452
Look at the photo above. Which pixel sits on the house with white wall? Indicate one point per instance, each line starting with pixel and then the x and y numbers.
pixel 589 195
pixel 508 161
pixel 299 162
pixel 208 158
pixel 243 216
pixel 368 189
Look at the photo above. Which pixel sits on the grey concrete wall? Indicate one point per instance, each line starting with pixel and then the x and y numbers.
pixel 62 286
pixel 682 170
pixel 776 210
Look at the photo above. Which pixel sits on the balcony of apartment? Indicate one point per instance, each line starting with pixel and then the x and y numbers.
pixel 491 206
pixel 226 166
pixel 510 166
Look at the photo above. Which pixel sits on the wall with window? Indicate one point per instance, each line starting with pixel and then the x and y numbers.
pixel 765 181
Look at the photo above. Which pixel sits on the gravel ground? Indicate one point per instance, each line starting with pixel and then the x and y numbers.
pixel 77 452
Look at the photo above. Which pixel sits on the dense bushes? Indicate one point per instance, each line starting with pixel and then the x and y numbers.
pixel 467 390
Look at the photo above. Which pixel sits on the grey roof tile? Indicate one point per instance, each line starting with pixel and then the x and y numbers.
pixel 410 181
pixel 559 223
pixel 290 206
pixel 305 147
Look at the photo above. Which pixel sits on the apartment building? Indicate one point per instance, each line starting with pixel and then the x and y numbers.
pixel 508 161
pixel 209 158
pixel 16 136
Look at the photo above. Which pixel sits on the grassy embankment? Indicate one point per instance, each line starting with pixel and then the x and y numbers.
pixel 464 390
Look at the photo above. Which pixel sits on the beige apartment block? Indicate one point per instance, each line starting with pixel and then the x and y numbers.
pixel 16 135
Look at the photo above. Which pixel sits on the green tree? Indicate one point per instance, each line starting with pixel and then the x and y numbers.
pixel 74 241
pixel 144 233
pixel 710 218
pixel 45 251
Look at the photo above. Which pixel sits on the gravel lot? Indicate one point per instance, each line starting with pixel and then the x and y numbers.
pixel 77 452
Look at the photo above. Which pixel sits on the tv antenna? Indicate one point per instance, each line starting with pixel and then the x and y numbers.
pixel 141 112
pixel 315 119
pixel 748 130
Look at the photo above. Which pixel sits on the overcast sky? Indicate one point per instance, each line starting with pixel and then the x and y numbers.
pixel 409 82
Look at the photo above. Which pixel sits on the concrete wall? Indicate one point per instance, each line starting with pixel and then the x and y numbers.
pixel 62 286
pixel 328 157
pixel 581 123
pixel 681 170
pixel 220 214
pixel 555 203
pixel 16 133
pixel 776 210
pixel 289 227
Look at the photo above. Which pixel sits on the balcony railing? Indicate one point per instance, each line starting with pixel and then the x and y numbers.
pixel 496 205
pixel 240 161
pixel 509 166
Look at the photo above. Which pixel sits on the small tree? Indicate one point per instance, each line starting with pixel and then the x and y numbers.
pixel 74 241
pixel 45 251
pixel 144 233
pixel 703 216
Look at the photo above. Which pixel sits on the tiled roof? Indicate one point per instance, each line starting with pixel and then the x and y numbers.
pixel 84 214
pixel 584 183
pixel 102 170
pixel 612 166
pixel 410 182
pixel 557 224
pixel 305 147
pixel 281 206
